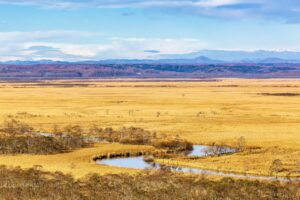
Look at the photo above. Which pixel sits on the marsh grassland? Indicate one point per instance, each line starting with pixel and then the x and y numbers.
pixel 266 113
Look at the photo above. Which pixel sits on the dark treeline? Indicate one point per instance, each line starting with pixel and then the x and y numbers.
pixel 40 145
pixel 15 127
pixel 34 184
pixel 133 135
pixel 124 135
pixel 173 144
pixel 20 137
pixel 146 69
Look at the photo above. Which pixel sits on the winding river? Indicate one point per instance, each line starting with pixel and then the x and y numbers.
pixel 138 162
pixel 199 150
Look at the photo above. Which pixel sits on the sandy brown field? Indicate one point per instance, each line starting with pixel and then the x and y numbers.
pixel 265 112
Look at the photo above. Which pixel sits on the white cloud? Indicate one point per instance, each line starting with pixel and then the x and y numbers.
pixel 164 45
pixel 57 45
pixel 214 3
pixel 44 35
pixel 284 10
pixel 121 3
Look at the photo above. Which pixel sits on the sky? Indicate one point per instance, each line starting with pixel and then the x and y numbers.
pixel 73 30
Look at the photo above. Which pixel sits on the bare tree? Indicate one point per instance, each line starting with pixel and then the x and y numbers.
pixel 276 166
pixel 216 150
pixel 14 127
pixel 157 114
pixel 95 129
pixel 73 130
pixel 241 143
pixel 56 129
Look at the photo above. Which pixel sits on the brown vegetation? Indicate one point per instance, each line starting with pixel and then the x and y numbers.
pixel 281 94
pixel 13 127
pixel 276 166
pixel 34 184
pixel 40 144
pixel 173 144
pixel 217 150
pixel 133 135
pixel 19 138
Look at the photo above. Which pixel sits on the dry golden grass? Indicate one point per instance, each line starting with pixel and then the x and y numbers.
pixel 77 163
pixel 245 163
pixel 201 112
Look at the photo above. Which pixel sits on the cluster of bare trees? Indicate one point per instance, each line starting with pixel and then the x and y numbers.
pixel 14 127
pixel 217 150
pixel 40 145
pixel 276 167
pixel 173 144
pixel 241 143
pixel 34 184
pixel 131 135
pixel 20 138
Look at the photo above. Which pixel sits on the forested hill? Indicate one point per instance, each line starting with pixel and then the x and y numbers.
pixel 68 71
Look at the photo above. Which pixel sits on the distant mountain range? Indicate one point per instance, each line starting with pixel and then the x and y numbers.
pixel 200 57
pixel 260 56
pixel 202 64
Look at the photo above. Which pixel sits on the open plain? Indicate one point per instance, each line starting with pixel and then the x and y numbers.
pixel 265 112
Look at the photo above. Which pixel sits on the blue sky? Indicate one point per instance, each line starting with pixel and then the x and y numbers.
pixel 104 29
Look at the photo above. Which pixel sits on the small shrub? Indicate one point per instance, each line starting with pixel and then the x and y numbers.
pixel 216 150
pixel 173 144
pixel 276 166
pixel 40 144
pixel 17 183
pixel 14 127
pixel 72 130
pixel 241 143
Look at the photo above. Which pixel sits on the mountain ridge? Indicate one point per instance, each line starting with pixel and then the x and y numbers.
pixel 200 57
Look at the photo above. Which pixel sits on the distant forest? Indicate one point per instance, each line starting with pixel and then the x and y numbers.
pixel 84 71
